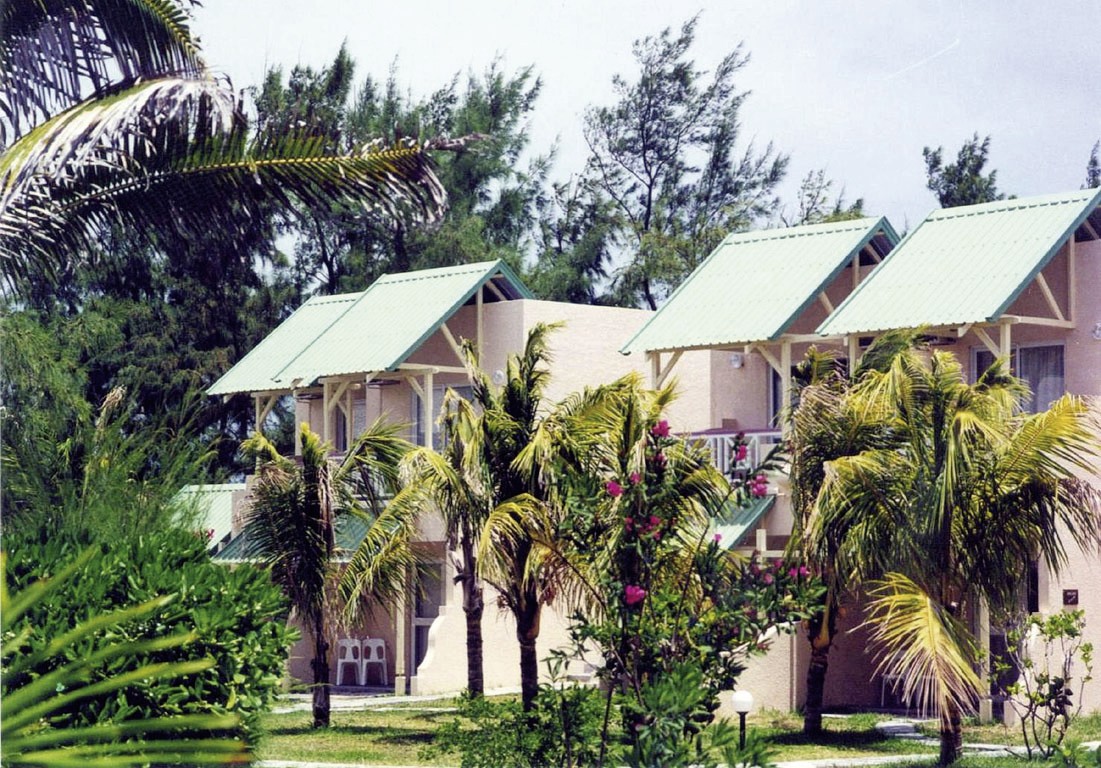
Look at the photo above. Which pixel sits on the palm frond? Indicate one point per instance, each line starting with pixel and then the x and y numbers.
pixel 378 570
pixel 923 644
pixel 55 53
pixel 290 521
pixel 173 156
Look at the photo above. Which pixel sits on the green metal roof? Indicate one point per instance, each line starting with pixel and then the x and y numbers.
pixel 736 521
pixel 213 504
pixel 349 531
pixel 963 265
pixel 257 371
pixel 754 285
pixel 375 330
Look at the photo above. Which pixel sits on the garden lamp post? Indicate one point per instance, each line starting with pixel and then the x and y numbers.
pixel 743 702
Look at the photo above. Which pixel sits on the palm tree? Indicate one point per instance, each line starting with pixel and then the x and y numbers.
pixel 108 115
pixel 951 510
pixel 453 481
pixel 507 551
pixel 292 522
pixel 826 424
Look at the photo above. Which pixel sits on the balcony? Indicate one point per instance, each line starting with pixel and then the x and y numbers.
pixel 723 443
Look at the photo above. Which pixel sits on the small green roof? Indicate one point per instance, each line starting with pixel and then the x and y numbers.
pixel 376 330
pixel 214 504
pixel 963 265
pixel 736 520
pixel 754 285
pixel 349 531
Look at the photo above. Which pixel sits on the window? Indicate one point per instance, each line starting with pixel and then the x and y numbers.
pixel 465 393
pixel 776 389
pixel 1041 367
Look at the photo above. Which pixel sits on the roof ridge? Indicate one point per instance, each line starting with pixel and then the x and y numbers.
pixel 1014 204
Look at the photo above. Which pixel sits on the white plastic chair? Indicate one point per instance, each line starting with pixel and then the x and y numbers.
pixel 349 652
pixel 374 652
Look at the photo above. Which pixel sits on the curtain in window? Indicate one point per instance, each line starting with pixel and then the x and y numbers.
pixel 1040 367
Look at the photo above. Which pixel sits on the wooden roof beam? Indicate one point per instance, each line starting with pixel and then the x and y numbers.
pixel 1049 297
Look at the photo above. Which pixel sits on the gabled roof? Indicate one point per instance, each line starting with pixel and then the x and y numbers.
pixel 754 285
pixel 257 371
pixel 963 265
pixel 375 330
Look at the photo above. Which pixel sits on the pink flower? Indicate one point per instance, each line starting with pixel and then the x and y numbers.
pixel 768 579
pixel 615 490
pixel 718 537
pixel 659 459
pixel 628 523
pixel 758 490
pixel 633 595
pixel 804 571
pixel 661 429
pixel 740 454
pixel 654 521
pixel 793 572
pixel 635 478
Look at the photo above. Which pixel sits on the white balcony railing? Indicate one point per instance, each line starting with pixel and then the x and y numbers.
pixel 723 445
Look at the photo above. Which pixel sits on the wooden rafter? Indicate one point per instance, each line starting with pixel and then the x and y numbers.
pixel 455 346
pixel 264 402
pixel 826 303
pixel 660 374
pixel 495 290
pixel 1049 297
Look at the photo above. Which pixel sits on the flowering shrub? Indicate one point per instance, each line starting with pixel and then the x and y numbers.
pixel 676 605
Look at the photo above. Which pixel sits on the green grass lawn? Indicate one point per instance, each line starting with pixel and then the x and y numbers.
pixel 394 735
pixel 390 736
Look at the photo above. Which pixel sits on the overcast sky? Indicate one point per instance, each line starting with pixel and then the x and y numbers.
pixel 857 88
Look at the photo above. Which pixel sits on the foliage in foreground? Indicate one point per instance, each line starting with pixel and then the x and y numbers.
pixel 49 678
pixel 227 627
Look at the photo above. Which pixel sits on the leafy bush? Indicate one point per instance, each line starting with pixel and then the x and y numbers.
pixel 237 618
pixel 1045 654
pixel 37 733
pixel 562 728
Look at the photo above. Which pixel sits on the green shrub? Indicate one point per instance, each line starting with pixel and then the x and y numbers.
pixel 562 729
pixel 237 616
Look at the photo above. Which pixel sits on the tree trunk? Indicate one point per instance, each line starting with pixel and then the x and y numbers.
pixel 820 632
pixel 473 607
pixel 816 686
pixel 527 632
pixel 951 735
pixel 320 666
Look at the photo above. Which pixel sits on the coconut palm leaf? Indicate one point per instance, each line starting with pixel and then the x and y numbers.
pixel 922 644
pixel 370 486
pixel 108 116
pixel 290 521
pixel 54 53
pixel 173 156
